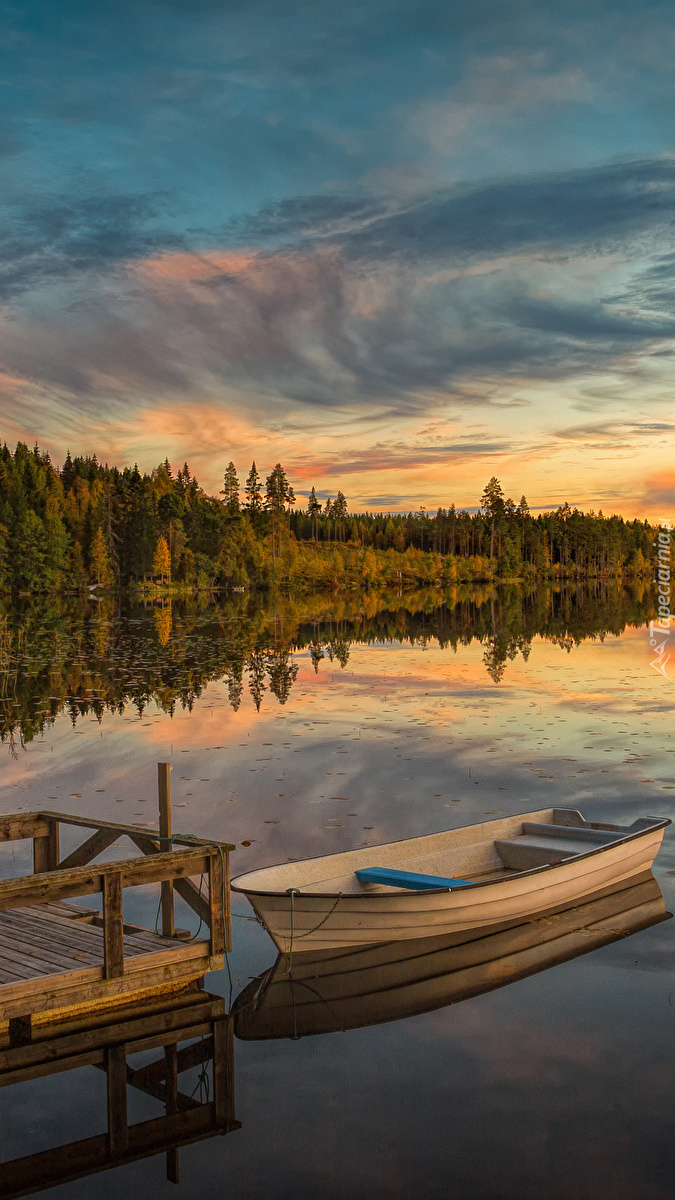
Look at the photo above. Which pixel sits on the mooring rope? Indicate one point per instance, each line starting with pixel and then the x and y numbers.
pixel 308 932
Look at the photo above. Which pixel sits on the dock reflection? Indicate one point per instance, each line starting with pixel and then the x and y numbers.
pixel 326 992
pixel 189 1030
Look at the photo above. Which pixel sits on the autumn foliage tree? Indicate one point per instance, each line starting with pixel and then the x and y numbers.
pixel 161 562
pixel 100 571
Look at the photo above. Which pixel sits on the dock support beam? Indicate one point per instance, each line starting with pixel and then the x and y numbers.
pixel 164 789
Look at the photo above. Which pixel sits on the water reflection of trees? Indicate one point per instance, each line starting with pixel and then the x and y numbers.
pixel 63 655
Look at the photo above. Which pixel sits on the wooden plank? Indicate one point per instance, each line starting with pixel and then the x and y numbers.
pixel 118 1120
pixel 35 923
pixel 41 946
pixel 113 934
pixel 94 845
pixel 14 924
pixel 140 830
pixel 216 903
pixel 78 987
pixel 86 937
pixel 83 881
pixel 36 919
pixel 164 790
pixel 30 971
pixel 77 912
pixel 15 826
pixel 7 976
pixel 47 960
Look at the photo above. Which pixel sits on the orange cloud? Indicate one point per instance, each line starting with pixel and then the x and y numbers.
pixel 659 496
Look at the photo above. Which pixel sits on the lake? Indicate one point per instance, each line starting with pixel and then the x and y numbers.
pixel 303 726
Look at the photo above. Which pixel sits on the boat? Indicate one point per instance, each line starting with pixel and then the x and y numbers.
pixel 467 878
pixel 331 991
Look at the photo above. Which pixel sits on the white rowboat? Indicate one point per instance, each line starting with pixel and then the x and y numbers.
pixel 346 989
pixel 493 872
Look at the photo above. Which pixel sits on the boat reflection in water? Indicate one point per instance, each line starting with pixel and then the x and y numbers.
pixel 325 992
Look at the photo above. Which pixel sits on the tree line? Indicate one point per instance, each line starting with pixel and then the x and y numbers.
pixel 86 524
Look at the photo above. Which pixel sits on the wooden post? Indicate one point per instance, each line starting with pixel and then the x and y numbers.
pixel 46 849
pixel 216 897
pixel 227 905
pixel 164 788
pixel 113 932
pixel 118 1119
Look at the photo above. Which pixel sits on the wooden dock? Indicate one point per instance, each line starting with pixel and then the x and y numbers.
pixel 59 956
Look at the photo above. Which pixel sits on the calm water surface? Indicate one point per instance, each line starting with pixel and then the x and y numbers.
pixel 560 1085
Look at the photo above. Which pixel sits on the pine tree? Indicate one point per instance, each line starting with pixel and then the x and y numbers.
pixel 313 511
pixel 230 492
pixel 278 491
pixel 253 490
pixel 339 514
pixel 161 563
pixel 492 504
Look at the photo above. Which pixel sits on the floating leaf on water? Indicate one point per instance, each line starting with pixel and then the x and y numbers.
pixel 244 843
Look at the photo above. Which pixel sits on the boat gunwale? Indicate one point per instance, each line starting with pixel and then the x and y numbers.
pixel 658 823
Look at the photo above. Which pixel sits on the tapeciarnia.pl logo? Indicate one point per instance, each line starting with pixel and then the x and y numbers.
pixel 659 630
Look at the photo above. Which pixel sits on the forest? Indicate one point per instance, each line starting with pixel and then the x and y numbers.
pixel 87 525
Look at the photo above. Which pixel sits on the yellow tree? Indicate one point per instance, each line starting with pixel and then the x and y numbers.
pixel 100 570
pixel 161 563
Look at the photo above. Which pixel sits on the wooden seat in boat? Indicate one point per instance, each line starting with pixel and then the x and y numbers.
pixel 407 879
pixel 541 844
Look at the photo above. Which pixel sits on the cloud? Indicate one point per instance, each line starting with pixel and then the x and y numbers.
pixel 614 432
pixel 659 494
pixel 560 212
pixel 54 240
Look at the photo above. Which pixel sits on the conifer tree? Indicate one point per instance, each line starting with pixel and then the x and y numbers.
pixel 253 490
pixel 278 491
pixel 278 494
pixel 492 504
pixel 230 492
pixel 313 510
pixel 339 514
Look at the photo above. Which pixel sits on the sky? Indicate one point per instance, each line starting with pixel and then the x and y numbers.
pixel 399 245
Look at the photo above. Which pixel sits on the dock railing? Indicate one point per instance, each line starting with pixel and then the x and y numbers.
pixel 171 860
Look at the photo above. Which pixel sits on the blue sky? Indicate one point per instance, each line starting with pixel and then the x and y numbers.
pixel 401 246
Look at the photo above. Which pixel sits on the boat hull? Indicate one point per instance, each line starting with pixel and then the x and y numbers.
pixel 303 922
